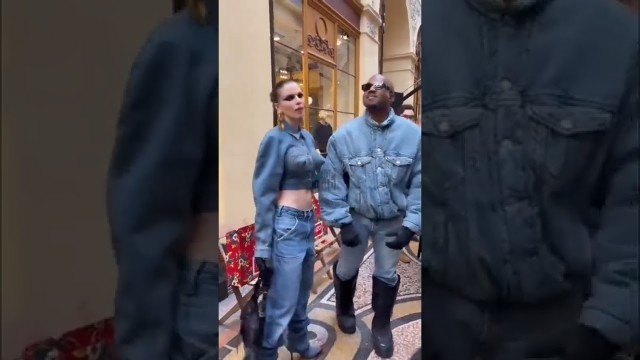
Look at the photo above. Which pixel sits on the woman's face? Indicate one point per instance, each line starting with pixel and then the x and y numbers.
pixel 291 101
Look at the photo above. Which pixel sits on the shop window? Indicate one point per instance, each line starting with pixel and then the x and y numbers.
pixel 346 69
pixel 331 86
pixel 417 97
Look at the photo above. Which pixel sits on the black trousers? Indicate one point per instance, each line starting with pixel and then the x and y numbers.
pixel 455 328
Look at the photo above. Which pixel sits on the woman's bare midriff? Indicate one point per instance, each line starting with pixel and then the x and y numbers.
pixel 297 199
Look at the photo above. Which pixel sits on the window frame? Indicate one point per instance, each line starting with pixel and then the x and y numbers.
pixel 340 26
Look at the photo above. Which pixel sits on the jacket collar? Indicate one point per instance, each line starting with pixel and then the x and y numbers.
pixel 388 121
pixel 295 131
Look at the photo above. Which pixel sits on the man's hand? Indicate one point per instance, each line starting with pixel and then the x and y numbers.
pixel 402 239
pixel 589 344
pixel 266 271
pixel 349 235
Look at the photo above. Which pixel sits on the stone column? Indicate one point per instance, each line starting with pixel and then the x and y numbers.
pixel 399 68
pixel 369 46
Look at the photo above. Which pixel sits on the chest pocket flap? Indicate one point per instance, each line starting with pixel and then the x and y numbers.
pixel 567 120
pixel 449 122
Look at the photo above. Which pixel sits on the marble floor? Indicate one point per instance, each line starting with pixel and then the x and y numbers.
pixel 406 321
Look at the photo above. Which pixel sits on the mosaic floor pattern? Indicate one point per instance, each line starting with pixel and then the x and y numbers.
pixel 406 321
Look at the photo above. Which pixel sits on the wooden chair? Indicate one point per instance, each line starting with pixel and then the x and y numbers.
pixel 237 249
pixel 326 237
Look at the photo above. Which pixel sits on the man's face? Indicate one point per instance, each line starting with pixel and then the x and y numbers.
pixel 409 115
pixel 376 94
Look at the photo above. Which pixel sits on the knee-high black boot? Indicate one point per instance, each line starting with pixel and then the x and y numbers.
pixel 383 298
pixel 345 311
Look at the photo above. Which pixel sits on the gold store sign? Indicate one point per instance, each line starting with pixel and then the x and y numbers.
pixel 319 35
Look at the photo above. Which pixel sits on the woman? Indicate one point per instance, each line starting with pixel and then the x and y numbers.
pixel 162 194
pixel 285 175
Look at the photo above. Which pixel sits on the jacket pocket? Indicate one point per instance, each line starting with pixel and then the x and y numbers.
pixel 358 168
pixel 451 140
pixel 399 167
pixel 564 140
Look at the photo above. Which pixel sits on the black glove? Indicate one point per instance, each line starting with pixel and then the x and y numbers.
pixel 349 235
pixel 266 271
pixel 402 239
pixel 588 344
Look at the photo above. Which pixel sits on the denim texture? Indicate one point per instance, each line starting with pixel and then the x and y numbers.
pixel 462 329
pixel 386 259
pixel 287 160
pixel 530 136
pixel 161 178
pixel 293 257
pixel 384 165
pixel 197 314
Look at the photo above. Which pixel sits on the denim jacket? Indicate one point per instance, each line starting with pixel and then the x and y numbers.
pixel 383 162
pixel 287 160
pixel 530 136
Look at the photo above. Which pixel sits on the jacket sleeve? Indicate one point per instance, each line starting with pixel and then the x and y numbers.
pixel 156 159
pixel 332 189
pixel 612 308
pixel 413 217
pixel 266 186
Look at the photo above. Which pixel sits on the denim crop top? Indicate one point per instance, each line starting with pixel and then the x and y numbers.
pixel 287 160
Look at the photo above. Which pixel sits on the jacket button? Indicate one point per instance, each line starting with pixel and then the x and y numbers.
pixel 444 126
pixel 566 123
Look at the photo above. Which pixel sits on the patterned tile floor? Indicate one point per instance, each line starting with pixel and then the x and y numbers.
pixel 406 322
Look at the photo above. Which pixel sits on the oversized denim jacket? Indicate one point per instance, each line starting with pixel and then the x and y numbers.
pixel 530 136
pixel 383 162
pixel 287 160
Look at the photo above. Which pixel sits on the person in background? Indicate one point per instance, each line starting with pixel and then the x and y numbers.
pixel 285 176
pixel 162 194
pixel 380 152
pixel 408 112
pixel 323 131
pixel 530 135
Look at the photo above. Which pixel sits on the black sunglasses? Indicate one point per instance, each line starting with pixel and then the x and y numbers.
pixel 293 96
pixel 376 86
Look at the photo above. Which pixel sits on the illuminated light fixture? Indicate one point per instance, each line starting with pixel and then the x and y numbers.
pixel 310 100
pixel 277 36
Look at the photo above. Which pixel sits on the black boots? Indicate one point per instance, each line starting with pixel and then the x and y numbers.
pixel 383 299
pixel 345 312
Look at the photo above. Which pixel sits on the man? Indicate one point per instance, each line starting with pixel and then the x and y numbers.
pixel 531 184
pixel 408 112
pixel 162 194
pixel 380 152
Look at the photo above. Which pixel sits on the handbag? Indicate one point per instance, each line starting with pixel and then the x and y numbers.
pixel 252 320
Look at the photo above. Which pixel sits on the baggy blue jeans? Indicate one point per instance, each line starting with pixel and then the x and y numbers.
pixel 386 259
pixel 293 257
pixel 197 313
